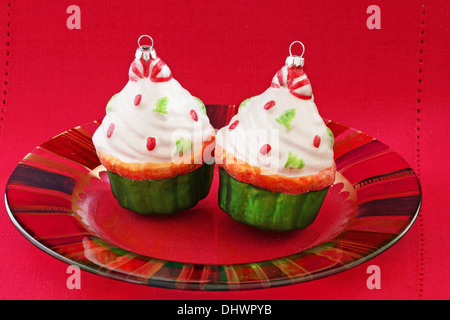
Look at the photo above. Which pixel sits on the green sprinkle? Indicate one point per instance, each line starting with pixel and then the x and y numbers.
pixel 109 105
pixel 286 118
pixel 331 136
pixel 294 162
pixel 244 103
pixel 202 105
pixel 161 105
pixel 183 145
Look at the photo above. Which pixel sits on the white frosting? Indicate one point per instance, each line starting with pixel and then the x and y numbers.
pixel 258 126
pixel 135 124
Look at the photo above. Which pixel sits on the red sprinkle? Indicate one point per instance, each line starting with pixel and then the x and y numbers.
pixel 194 115
pixel 137 99
pixel 265 149
pixel 269 104
pixel 151 143
pixel 110 130
pixel 316 141
pixel 233 125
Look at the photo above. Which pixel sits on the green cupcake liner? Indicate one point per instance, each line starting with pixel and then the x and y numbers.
pixel 164 196
pixel 268 210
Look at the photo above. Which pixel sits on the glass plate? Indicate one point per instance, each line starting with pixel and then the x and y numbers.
pixel 59 198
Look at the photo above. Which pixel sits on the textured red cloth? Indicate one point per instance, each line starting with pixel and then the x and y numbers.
pixel 391 83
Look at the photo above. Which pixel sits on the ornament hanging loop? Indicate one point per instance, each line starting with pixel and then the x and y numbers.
pixel 290 48
pixel 145 46
pixel 145 51
pixel 294 60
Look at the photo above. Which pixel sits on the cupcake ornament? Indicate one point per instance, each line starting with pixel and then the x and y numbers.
pixel 276 155
pixel 155 140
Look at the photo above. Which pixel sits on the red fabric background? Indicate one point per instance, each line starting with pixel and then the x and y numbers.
pixel 391 83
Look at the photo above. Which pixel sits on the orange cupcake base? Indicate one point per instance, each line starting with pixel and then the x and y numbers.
pixel 244 172
pixel 156 170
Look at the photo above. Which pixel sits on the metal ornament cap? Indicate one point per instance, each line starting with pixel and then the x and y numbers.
pixel 294 60
pixel 145 51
